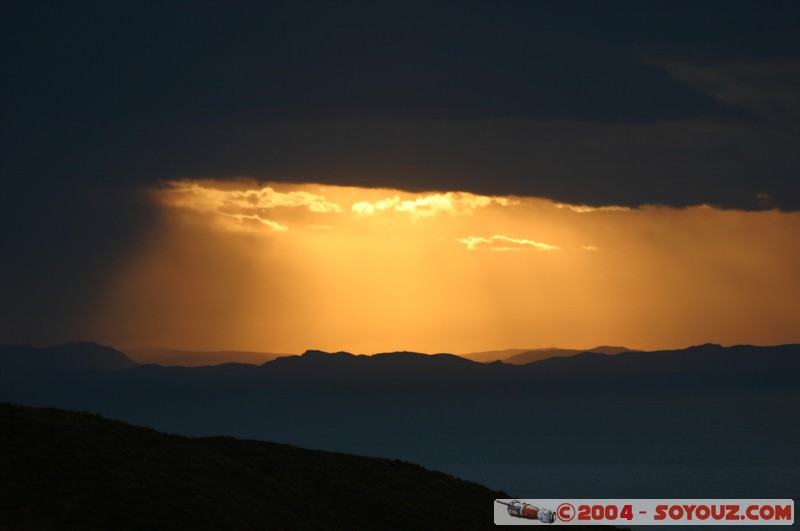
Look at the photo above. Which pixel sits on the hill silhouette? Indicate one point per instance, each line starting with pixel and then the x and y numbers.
pixel 68 470
pixel 489 356
pixel 743 364
pixel 605 362
pixel 740 363
pixel 197 358
pixel 523 356
pixel 531 356
pixel 317 364
pixel 74 356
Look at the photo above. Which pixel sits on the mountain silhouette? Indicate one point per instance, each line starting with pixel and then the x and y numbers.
pixel 531 356
pixel 197 358
pixel 709 360
pixel 488 356
pixel 72 356
pixel 739 362
pixel 397 366
pixel 523 356
pixel 68 470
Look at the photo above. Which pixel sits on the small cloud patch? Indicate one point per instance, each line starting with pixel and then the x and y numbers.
pixel 504 243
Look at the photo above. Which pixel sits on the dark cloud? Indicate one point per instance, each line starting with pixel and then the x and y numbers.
pixel 128 91
pixel 766 90
pixel 578 101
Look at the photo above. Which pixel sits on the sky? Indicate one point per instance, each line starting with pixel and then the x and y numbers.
pixel 435 176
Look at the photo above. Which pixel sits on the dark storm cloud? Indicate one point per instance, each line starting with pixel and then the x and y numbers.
pixel 132 92
pixel 597 103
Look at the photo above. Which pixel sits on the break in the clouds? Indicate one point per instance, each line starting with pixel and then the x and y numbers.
pixel 582 209
pixel 244 209
pixel 423 206
pixel 245 205
pixel 514 271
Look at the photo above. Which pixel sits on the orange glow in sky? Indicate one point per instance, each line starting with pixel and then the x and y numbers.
pixel 283 268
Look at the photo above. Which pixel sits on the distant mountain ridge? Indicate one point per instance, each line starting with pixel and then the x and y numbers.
pixel 602 362
pixel 70 356
pixel 694 359
pixel 742 363
pixel 320 364
pixel 489 356
pixel 522 356
pixel 532 356
pixel 196 358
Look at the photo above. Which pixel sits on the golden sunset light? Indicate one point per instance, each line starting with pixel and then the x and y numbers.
pixel 274 265
pixel 282 268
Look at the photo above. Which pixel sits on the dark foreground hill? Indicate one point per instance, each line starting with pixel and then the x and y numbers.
pixel 68 470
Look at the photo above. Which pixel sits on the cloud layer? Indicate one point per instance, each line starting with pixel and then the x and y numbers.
pixel 591 105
